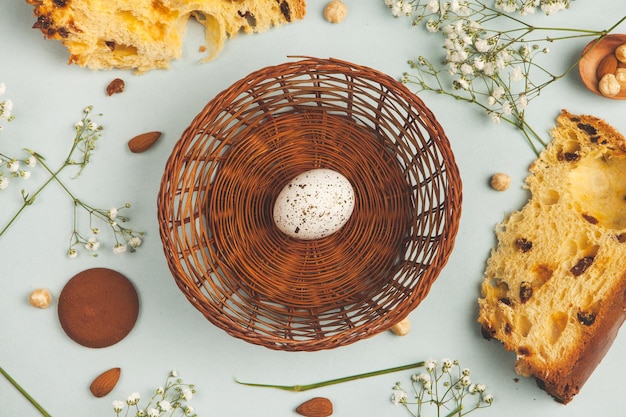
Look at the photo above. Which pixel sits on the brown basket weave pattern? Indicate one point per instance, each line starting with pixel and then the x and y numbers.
pixel 217 193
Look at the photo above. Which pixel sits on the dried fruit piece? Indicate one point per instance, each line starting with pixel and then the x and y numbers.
pixel 582 265
pixel 143 142
pixel 525 291
pixel 316 407
pixel 116 86
pixel 105 382
pixel 585 318
pixel 523 244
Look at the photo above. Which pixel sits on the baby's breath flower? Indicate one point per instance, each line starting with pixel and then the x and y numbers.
pixel 118 406
pixel 113 213
pixel 169 399
pixel 443 387
pixel 92 244
pixel 399 396
pixel 13 166
pixel 72 253
pixel 133 398
pixel 187 394
pixel 119 248
pixel 164 406
pixel 484 41
pixel 4 183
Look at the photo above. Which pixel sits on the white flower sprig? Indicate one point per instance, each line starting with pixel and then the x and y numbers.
pixel 6 106
pixel 493 59
pixel 87 133
pixel 170 400
pixel 446 387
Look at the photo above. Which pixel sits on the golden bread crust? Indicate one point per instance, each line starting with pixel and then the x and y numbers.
pixel 554 288
pixel 148 34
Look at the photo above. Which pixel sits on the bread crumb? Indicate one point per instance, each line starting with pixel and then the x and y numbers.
pixel 202 48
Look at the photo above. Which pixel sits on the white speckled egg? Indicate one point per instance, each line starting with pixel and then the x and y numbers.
pixel 314 204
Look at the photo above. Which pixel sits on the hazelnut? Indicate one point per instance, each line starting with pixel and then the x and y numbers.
pixel 40 298
pixel 500 182
pixel 620 76
pixel 402 327
pixel 609 86
pixel 335 11
pixel 620 53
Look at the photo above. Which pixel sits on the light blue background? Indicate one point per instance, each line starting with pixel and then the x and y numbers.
pixel 48 97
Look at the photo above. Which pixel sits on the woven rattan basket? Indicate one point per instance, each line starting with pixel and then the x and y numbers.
pixel 216 199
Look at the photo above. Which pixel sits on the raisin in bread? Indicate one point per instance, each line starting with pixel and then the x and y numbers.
pixel 554 289
pixel 148 34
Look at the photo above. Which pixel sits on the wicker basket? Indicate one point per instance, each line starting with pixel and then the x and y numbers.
pixel 217 192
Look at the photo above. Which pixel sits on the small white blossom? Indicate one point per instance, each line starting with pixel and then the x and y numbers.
pixel 488 398
pixel 497 92
pixel 4 183
pixel 133 398
pixel 119 248
pixel 159 391
pixel 188 409
pixel 174 374
pixel 112 213
pixel 407 8
pixel 118 406
pixel 13 166
pixel 31 161
pixel 164 406
pixel 431 364
pixel 433 6
pixel 432 26
pixel 187 394
pixel 72 253
pixel 25 174
pixel 3 88
pixel 517 74
pixel 134 242
pixel 495 117
pixel 92 244
pixel 467 69
pixel 398 396
pixel 523 101
pixel 153 412
pixel 507 108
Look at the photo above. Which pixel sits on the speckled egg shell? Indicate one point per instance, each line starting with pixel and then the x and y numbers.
pixel 313 205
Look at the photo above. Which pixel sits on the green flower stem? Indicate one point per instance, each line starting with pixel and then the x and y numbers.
pixel 27 202
pixel 24 393
pixel 307 387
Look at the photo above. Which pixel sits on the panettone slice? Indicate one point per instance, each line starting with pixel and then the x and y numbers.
pixel 148 34
pixel 554 289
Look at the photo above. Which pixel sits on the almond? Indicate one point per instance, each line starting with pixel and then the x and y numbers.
pixel 316 407
pixel 105 382
pixel 607 65
pixel 143 142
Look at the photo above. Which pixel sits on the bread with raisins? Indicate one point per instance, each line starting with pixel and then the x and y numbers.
pixel 554 289
pixel 148 34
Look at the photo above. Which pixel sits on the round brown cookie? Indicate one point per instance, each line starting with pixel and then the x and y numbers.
pixel 98 307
